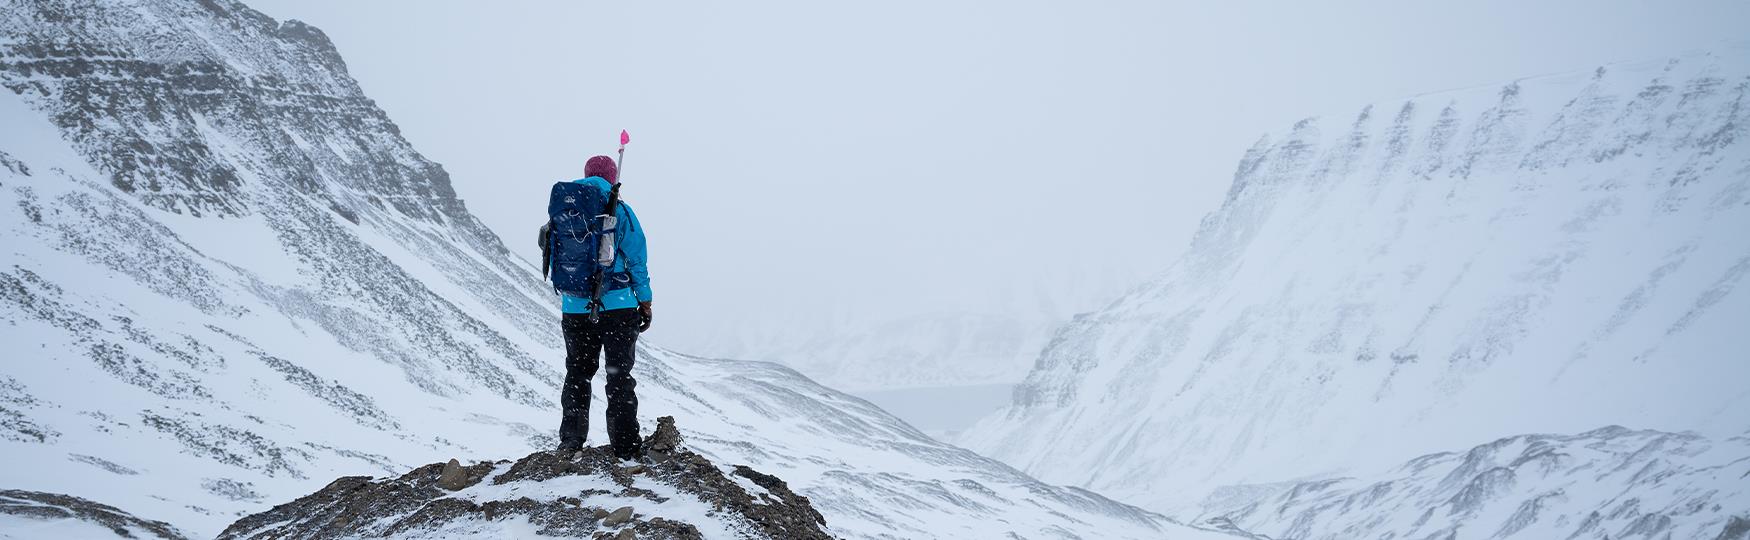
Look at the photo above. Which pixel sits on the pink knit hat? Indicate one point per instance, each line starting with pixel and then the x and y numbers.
pixel 604 167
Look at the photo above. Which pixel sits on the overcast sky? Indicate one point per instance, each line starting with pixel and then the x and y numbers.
pixel 799 163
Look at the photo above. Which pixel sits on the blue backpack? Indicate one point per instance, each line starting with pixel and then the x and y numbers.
pixel 580 243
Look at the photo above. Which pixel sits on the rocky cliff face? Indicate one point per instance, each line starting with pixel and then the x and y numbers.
pixel 586 494
pixel 144 85
pixel 1547 256
pixel 227 280
pixel 209 109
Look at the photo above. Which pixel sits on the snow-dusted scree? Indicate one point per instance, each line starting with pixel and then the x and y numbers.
pixel 677 494
pixel 227 280
pixel 1550 256
pixel 31 514
pixel 1611 482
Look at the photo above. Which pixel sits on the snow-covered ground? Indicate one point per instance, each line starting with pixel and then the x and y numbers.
pixel 1611 482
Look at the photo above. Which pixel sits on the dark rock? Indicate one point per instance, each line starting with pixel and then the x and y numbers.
pixel 669 530
pixel 665 440
pixel 1736 529
pixel 454 477
pixel 786 499
pixel 618 517
pixel 424 499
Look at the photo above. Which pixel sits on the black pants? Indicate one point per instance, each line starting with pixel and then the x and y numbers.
pixel 617 334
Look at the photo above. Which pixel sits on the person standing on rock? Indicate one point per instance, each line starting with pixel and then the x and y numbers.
pixel 593 249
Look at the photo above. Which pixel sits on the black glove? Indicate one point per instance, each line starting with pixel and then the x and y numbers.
pixel 643 316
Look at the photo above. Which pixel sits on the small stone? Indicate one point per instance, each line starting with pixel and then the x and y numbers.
pixel 635 469
pixel 618 517
pixel 454 476
pixel 626 535
pixel 601 513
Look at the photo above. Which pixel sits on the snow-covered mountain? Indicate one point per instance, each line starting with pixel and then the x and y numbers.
pixel 227 280
pixel 1550 256
pixel 1611 483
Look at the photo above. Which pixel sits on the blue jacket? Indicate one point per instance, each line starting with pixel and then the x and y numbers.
pixel 632 259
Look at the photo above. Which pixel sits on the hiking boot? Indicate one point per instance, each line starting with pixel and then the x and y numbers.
pixel 570 446
pixel 634 453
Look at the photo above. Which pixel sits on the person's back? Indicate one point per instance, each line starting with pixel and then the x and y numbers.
pixel 605 317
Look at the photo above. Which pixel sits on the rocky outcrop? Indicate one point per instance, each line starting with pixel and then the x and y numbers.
pixel 55 507
pixel 673 493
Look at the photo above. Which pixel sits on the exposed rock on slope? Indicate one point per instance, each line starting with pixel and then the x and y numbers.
pixel 1610 483
pixel 212 110
pixel 1547 256
pixel 33 514
pixel 677 494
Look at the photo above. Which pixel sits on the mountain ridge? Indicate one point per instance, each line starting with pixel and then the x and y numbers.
pixel 1548 255
pixel 1678 485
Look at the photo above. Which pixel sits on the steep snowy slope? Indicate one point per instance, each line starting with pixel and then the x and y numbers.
pixel 1549 256
pixel 226 280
